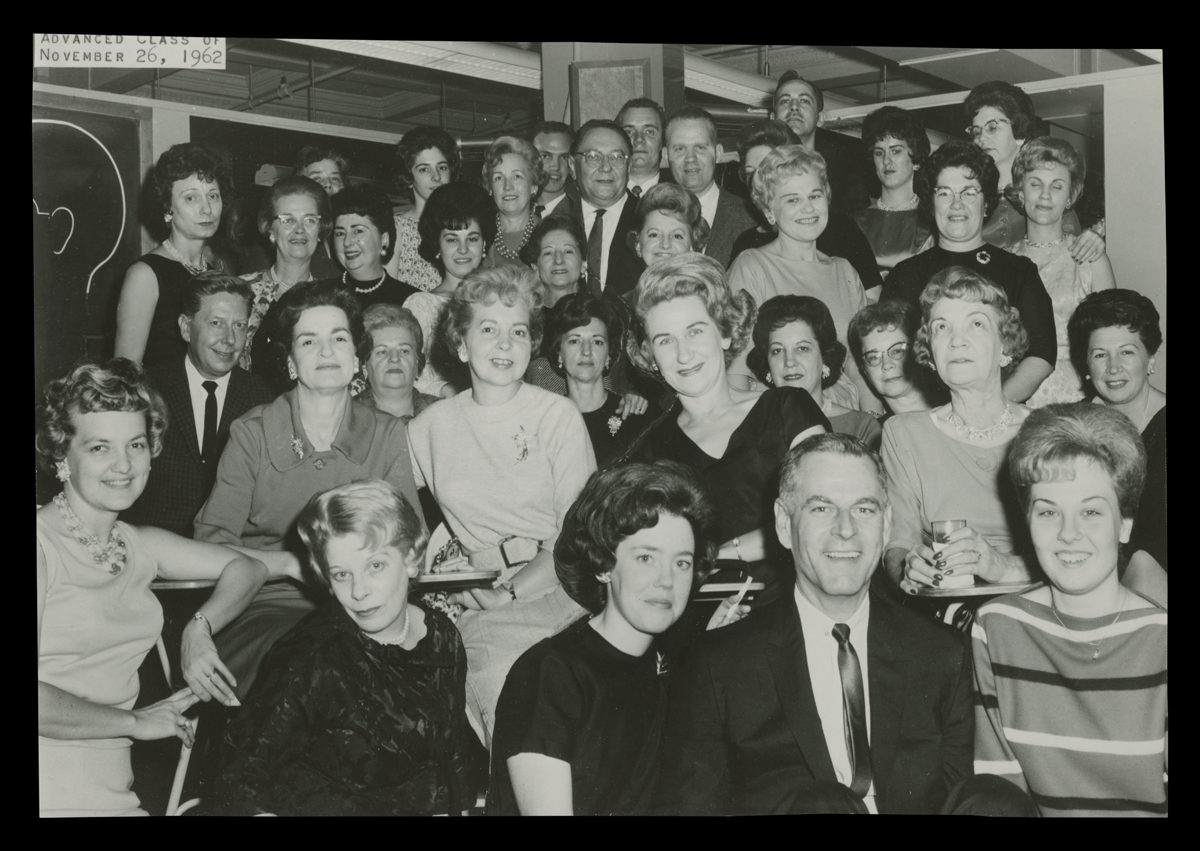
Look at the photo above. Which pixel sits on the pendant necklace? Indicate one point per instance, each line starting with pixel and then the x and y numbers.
pixel 1095 645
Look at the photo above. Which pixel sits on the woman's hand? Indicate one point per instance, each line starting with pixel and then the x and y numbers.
pixel 919 570
pixel 727 613
pixel 1089 247
pixel 482 599
pixel 632 404
pixel 203 669
pixel 165 719
pixel 968 552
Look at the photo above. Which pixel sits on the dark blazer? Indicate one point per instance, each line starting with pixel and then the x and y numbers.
pixel 848 168
pixel 624 266
pixel 179 484
pixel 731 220
pixel 743 735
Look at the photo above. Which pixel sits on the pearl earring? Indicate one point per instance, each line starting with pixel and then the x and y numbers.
pixel 1005 360
pixel 62 470
pixel 1151 370
pixel 825 371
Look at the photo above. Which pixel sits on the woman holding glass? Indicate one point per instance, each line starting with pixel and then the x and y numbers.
pixel 428 158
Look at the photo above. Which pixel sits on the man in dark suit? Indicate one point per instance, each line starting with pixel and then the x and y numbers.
pixel 798 707
pixel 692 152
pixel 205 391
pixel 643 121
pixel 553 141
pixel 605 208
pixel 801 105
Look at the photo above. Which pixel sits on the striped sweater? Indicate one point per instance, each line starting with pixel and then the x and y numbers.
pixel 1084 736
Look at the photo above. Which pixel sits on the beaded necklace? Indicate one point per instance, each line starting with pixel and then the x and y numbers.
pixel 399 640
pixel 502 249
pixel 364 291
pixel 1052 242
pixel 982 434
pixel 910 204
pixel 112 556
pixel 174 252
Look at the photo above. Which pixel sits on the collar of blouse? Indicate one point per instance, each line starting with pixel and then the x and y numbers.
pixel 281 423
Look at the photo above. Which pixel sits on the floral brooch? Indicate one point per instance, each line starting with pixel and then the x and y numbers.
pixel 522 439
pixel 298 447
pixel 983 257
pixel 614 425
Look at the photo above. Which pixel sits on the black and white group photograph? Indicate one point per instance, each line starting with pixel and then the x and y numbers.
pixel 462 428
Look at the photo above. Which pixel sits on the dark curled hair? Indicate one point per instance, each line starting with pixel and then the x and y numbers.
pixel 119 385
pixel 295 184
pixel 1052 438
pixel 184 160
pixel 421 139
pixel 619 503
pixel 1108 309
pixel 1016 105
pixel 783 310
pixel 368 201
pixel 453 207
pixel 964 155
pixel 884 316
pixel 310 154
pixel 327 293
pixel 575 311
pixel 548 225
pixel 210 283
pixel 773 134
pixel 900 124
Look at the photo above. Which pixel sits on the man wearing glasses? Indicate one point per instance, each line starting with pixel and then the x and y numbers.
pixel 880 338
pixel 553 140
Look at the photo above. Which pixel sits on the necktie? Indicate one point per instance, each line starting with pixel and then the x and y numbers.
pixel 539 209
pixel 637 191
pixel 595 247
pixel 854 711
pixel 208 447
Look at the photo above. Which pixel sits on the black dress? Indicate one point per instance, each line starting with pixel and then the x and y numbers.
pixel 338 724
pixel 1150 527
pixel 842 237
pixel 576 698
pixel 165 345
pixel 610 434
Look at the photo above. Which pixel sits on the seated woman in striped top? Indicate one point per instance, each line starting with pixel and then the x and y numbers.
pixel 1072 675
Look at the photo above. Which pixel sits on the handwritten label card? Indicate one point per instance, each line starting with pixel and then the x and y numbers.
pixel 55 50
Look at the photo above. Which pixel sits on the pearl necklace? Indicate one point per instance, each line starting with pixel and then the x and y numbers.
pixel 1145 417
pixel 174 252
pixel 982 434
pixel 1058 241
pixel 362 291
pixel 910 204
pixel 502 249
pixel 1095 645
pixel 399 640
pixel 111 556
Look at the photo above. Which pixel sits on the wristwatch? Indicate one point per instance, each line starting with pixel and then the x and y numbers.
pixel 507 586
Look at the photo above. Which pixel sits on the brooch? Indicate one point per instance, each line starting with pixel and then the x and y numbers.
pixel 660 664
pixel 522 439
pixel 983 257
pixel 298 447
pixel 614 425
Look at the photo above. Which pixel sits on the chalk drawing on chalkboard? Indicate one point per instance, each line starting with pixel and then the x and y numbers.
pixel 120 194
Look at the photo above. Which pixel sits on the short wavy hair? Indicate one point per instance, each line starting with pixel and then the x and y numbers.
pixel 781 311
pixel 771 133
pixel 780 164
pixel 553 224
pixel 959 282
pixel 574 311
pixel 368 201
pixel 383 315
pixel 644 103
pixel 310 154
pixel 884 316
pixel 964 155
pixel 792 74
pixel 509 284
pixel 209 283
pixel 833 442
pixel 522 148
pixel 373 509
pixel 119 385
pixel 1012 100
pixel 899 124
pixel 184 160
pixel 1053 438
pixel 690 274
pixel 678 203
pixel 1043 151
pixel 453 207
pixel 621 502
pixel 417 141
pixel 295 184
pixel 1107 309
pixel 326 293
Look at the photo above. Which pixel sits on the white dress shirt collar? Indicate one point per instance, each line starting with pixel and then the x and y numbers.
pixel 646 184
pixel 612 215
pixel 708 202
pixel 199 396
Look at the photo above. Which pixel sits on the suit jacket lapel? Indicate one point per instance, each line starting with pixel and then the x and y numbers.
pixel 179 398
pixel 789 669
pixel 234 395
pixel 887 679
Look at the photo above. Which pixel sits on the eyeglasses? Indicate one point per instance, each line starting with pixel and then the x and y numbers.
pixel 310 222
pixel 593 158
pixel 895 354
pixel 968 193
pixel 988 129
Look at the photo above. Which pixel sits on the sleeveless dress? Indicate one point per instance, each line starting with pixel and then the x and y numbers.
pixel 96 630
pixel 165 345
pixel 411 267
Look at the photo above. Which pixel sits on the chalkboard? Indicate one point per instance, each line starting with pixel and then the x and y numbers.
pixel 86 173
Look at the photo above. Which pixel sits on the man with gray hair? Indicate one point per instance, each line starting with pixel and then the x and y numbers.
pixel 797 708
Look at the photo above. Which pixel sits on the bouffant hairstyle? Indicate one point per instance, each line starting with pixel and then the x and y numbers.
pixel 684 275
pixel 521 148
pixel 509 284
pixel 368 201
pixel 454 207
pixel 783 310
pixel 1043 151
pixel 119 385
pixel 780 164
pixel 676 202
pixel 295 184
pixel 838 444
pixel 964 283
pixel 553 224
pixel 184 160
pixel 772 134
pixel 1053 438
pixel 792 74
pixel 899 124
pixel 884 316
pixel 1108 309
pixel 964 155
pixel 373 510
pixel 327 293
pixel 310 154
pixel 380 316
pixel 209 283
pixel 1016 105
pixel 576 311
pixel 619 503
pixel 421 139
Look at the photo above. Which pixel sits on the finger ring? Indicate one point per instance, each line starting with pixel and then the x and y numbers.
pixel 210 674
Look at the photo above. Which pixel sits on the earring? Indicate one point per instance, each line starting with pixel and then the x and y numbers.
pixel 770 380
pixel 1150 371
pixel 605 578
pixel 292 372
pixel 272 239
pixel 62 470
pixel 167 217
pixel 1005 360
pixel 825 370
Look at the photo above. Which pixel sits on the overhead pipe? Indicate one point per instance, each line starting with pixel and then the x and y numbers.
pixel 299 87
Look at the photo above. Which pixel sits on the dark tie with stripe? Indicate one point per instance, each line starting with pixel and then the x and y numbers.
pixel 208 448
pixel 595 249
pixel 854 711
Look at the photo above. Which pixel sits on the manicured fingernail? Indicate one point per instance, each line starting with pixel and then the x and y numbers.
pixel 948 572
pixel 936 582
pixel 937 577
pixel 912 591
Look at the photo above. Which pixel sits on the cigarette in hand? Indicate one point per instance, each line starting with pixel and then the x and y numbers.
pixel 738 599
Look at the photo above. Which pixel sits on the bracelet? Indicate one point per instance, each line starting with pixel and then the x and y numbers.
pixel 199 616
pixel 737 545
pixel 508 586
